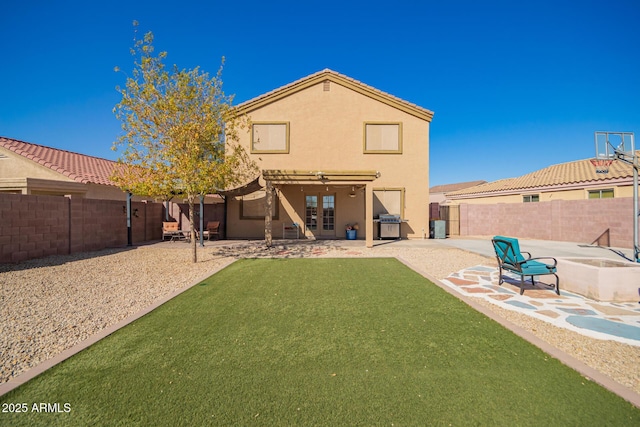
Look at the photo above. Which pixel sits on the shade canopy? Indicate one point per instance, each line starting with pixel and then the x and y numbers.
pixel 250 187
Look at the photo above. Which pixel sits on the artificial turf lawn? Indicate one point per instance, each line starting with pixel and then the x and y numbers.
pixel 316 342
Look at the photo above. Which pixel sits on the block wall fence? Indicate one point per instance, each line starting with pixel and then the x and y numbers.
pixel 39 226
pixel 609 222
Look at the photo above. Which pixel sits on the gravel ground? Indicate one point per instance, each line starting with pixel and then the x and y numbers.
pixel 51 304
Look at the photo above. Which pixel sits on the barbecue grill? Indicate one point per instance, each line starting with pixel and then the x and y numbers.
pixel 389 226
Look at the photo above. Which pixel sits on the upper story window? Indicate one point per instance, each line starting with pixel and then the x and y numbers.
pixel 601 194
pixel 271 137
pixel 531 198
pixel 383 138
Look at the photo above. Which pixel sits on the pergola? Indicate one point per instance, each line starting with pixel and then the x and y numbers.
pixel 273 177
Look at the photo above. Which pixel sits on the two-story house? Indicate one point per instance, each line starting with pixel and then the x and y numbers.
pixel 334 152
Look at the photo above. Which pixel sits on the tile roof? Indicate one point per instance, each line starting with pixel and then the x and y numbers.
pixel 338 78
pixel 571 174
pixel 445 188
pixel 78 167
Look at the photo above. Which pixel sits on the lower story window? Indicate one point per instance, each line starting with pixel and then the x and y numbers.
pixel 253 206
pixel 388 201
pixel 601 194
pixel 531 198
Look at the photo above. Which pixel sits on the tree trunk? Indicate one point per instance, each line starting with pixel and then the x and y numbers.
pixel 192 231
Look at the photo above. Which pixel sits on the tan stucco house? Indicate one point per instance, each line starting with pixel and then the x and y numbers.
pixel 575 180
pixel 27 168
pixel 335 152
pixel 437 193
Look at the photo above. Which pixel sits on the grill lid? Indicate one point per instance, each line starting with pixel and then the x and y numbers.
pixel 389 218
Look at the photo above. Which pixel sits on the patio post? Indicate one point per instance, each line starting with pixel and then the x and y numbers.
pixel 268 238
pixel 201 220
pixel 368 214
pixel 129 228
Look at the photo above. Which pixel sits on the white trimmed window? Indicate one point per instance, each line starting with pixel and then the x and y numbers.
pixel 531 198
pixel 384 138
pixel 270 137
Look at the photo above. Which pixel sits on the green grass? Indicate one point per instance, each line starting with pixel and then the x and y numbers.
pixel 316 342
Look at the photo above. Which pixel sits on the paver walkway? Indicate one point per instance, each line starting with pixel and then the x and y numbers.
pixel 603 320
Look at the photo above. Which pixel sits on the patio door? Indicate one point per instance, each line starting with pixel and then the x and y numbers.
pixel 320 215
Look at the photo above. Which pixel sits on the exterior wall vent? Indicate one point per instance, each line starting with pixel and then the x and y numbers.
pixel 326 86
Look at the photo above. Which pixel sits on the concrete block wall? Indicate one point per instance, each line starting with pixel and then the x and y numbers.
pixel 152 225
pixel 98 224
pixel 587 220
pixel 40 226
pixel 33 226
pixel 582 221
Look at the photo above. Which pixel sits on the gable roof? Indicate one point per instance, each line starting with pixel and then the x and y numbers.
pixel 561 176
pixel 341 79
pixel 78 167
pixel 445 188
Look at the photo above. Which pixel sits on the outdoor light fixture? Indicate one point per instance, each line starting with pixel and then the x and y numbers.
pixel 134 213
pixel 353 192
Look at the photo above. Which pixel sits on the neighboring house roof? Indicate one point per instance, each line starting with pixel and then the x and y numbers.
pixel 445 188
pixel 341 79
pixel 562 176
pixel 78 167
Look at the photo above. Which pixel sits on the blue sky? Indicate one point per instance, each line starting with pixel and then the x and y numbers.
pixel 515 86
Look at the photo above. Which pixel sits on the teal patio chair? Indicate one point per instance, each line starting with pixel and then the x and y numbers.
pixel 511 259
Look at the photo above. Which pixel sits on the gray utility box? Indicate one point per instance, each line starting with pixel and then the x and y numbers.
pixel 438 229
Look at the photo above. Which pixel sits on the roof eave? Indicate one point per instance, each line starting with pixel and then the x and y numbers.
pixel 544 188
pixel 287 90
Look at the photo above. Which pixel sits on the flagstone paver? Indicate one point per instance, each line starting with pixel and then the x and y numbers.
pixel 602 320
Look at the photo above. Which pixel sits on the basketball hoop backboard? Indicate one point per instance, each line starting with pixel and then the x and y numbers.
pixel 620 146
pixel 614 145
